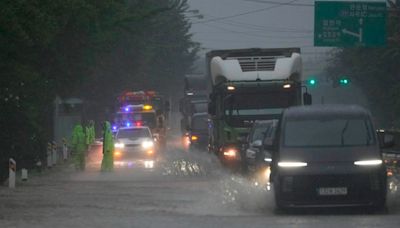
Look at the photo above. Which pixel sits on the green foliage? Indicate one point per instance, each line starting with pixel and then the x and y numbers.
pixel 87 48
pixel 376 71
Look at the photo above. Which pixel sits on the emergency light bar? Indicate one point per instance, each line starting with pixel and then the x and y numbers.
pixel 131 108
pixel 147 107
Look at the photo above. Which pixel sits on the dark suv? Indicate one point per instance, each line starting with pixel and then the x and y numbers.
pixel 327 155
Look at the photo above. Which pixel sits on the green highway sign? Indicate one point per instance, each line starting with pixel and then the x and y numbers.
pixel 348 24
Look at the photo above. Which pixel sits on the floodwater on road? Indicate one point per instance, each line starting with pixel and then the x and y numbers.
pixel 179 189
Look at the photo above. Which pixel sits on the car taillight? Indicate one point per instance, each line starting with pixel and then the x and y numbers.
pixel 117 153
pixel 194 138
pixel 230 153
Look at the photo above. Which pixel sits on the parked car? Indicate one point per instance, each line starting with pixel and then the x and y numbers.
pixel 327 155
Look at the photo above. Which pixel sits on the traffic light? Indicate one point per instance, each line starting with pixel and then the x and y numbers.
pixel 344 81
pixel 312 82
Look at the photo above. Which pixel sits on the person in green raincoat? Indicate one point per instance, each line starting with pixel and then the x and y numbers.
pixel 79 147
pixel 92 132
pixel 108 148
pixel 87 137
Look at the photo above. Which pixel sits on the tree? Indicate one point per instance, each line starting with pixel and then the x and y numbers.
pixel 88 48
pixel 375 70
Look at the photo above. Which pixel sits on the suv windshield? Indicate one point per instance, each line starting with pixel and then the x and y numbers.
pixel 320 132
pixel 133 133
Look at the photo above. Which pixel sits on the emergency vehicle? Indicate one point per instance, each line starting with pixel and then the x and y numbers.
pixel 142 108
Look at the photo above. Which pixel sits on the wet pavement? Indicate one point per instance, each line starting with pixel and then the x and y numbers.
pixel 179 189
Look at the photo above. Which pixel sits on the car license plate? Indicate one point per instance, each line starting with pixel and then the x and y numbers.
pixel 332 191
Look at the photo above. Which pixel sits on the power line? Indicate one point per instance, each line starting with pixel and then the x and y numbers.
pixel 260 28
pixel 255 35
pixel 301 46
pixel 245 13
pixel 279 3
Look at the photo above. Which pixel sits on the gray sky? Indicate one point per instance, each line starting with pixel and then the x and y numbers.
pixel 255 23
pixel 265 24
pixel 262 25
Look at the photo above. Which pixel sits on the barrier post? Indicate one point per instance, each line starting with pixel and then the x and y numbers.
pixel 49 156
pixel 65 149
pixel 24 174
pixel 12 167
pixel 39 165
pixel 54 153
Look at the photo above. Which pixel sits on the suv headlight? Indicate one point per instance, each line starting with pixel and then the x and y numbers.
pixel 147 144
pixel 291 164
pixel 119 145
pixel 368 162
pixel 266 159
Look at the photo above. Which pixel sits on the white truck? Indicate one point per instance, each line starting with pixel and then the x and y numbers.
pixel 249 85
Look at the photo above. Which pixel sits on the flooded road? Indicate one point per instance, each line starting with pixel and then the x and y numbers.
pixel 179 189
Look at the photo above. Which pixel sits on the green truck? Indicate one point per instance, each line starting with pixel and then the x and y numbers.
pixel 248 85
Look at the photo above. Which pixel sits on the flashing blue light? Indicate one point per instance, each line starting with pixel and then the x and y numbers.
pixel 114 127
pixel 128 124
pixel 126 109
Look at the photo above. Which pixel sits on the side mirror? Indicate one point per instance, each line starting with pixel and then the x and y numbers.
pixel 307 99
pixel 388 141
pixel 257 143
pixel 211 109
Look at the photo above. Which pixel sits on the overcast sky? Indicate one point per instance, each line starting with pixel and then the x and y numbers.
pixel 265 24
pixel 255 23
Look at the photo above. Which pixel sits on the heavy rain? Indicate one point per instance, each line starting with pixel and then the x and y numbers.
pixel 200 113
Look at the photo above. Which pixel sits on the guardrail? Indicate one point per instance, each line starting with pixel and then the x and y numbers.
pixel 55 154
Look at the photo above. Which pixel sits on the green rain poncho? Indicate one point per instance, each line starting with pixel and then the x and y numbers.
pixel 87 136
pixel 90 134
pixel 108 148
pixel 79 147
